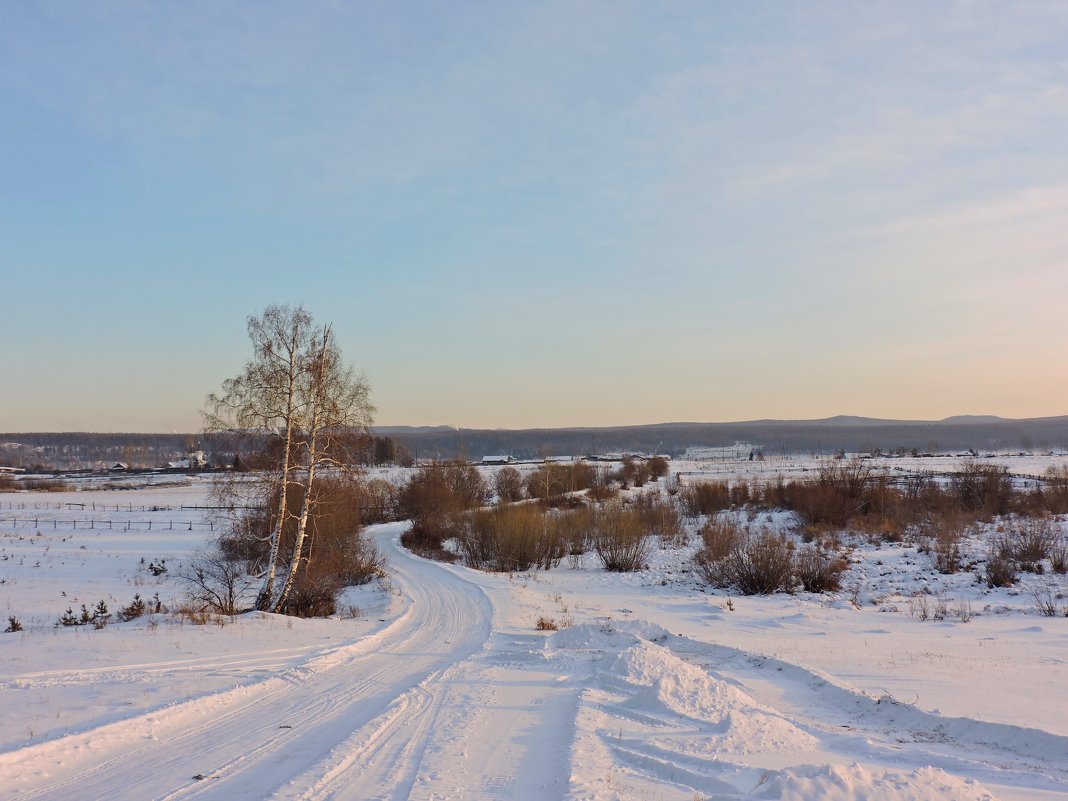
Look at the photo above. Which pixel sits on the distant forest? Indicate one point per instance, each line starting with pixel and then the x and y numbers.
pixel 67 451
pixel 87 451
pixel 849 434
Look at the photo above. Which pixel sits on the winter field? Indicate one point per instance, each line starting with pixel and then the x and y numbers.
pixel 435 684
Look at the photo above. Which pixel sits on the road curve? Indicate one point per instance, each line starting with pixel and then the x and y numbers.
pixel 359 713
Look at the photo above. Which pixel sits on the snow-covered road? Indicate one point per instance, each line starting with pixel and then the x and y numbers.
pixel 363 709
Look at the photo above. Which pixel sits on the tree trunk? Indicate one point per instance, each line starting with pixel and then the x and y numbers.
pixel 313 458
pixel 265 597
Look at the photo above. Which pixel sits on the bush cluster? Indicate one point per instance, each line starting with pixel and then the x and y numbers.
pixel 335 553
pixel 763 562
pixel 98 618
pixel 846 493
pixel 552 480
pixel 620 538
pixel 526 536
pixel 435 500
pixel 511 538
pixel 1024 545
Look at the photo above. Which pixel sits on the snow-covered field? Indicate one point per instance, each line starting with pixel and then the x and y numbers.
pixel 437 686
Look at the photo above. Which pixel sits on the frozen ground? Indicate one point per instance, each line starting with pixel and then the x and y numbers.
pixel 440 688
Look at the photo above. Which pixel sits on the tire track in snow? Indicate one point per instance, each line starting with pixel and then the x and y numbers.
pixel 270 658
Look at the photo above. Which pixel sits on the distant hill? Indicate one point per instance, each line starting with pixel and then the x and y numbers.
pixel 849 433
pixel 974 419
pixel 841 433
pixel 390 430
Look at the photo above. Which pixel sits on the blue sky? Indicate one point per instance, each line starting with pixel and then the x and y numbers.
pixel 532 214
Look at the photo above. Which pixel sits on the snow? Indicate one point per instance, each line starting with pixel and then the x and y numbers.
pixel 438 686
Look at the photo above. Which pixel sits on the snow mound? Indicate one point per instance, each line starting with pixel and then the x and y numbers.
pixel 731 720
pixel 610 635
pixel 856 783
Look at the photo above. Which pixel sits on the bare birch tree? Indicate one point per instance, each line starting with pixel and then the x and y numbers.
pixel 298 393
pixel 335 406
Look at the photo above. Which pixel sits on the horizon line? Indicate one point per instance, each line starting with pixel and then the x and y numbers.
pixel 861 419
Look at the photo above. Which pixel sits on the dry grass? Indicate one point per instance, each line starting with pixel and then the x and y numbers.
pixel 706 497
pixel 819 570
pixel 619 538
pixel 756 563
pixel 511 538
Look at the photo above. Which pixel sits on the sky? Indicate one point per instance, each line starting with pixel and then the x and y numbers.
pixel 538 214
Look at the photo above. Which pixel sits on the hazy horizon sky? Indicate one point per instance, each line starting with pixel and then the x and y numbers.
pixel 538 214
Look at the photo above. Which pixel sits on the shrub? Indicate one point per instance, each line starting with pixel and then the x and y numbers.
pixel 101 615
pixel 553 479
pixel 509 538
pixel 942 541
pixel 435 499
pixel 764 565
pixel 44 485
pixel 601 489
pixel 134 610
pixel 705 497
pixel 919 607
pixel 377 501
pixel 820 505
pixel 1000 566
pixel 313 597
pixel 546 624
pixel 214 582
pixel 98 618
pixel 640 472
pixel 508 484
pixel 68 618
pixel 1046 602
pixel 574 528
pixel 1031 541
pixel 848 479
pixel 818 570
pixel 619 539
pixel 1053 496
pixel 335 552
pixel 720 538
pixel 757 564
pixel 658 467
pixel 13 625
pixel 1058 555
pixel 741 494
pixel 660 519
pixel 946 553
pixel 984 488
